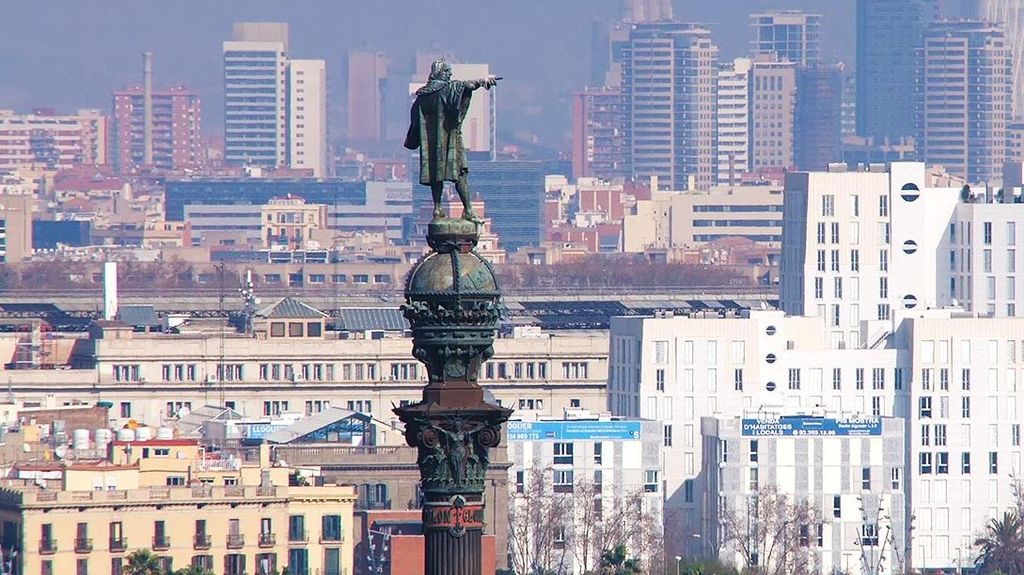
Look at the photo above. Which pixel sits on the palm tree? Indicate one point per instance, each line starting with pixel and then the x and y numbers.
pixel 616 562
pixel 142 562
pixel 1001 546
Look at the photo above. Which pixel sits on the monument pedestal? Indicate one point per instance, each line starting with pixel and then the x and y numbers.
pixel 451 303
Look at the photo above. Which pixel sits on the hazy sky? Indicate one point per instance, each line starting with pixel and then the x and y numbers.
pixel 68 54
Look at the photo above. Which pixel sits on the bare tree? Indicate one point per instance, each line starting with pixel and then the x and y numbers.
pixel 588 515
pixel 553 532
pixel 773 534
pixel 603 522
pixel 537 519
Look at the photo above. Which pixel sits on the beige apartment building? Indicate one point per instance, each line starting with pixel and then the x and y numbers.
pixel 234 514
pixel 687 219
pixel 152 377
pixel 233 530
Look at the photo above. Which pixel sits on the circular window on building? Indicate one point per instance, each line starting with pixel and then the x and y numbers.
pixel 770 386
pixel 770 330
pixel 910 301
pixel 909 247
pixel 910 192
pixel 770 358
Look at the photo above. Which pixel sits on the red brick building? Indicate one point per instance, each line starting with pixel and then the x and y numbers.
pixel 177 138
pixel 391 543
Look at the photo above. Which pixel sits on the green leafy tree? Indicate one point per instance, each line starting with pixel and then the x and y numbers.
pixel 142 562
pixel 1001 546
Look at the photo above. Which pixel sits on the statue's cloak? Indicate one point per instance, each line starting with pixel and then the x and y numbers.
pixel 435 128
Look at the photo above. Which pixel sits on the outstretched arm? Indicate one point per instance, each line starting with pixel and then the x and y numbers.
pixel 486 82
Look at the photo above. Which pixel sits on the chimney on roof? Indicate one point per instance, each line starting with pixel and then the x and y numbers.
pixel 109 290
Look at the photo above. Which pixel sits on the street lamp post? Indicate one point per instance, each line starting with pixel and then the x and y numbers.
pixel 679 561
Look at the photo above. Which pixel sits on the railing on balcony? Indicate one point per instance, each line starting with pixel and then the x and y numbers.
pixel 297 536
pixel 201 541
pixel 161 543
pixel 267 540
pixel 118 544
pixel 47 546
pixel 83 545
pixel 367 503
pixel 236 541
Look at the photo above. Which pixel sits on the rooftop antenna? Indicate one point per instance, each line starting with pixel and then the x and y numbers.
pixel 248 301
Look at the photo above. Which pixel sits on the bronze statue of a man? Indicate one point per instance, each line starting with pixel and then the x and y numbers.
pixel 436 129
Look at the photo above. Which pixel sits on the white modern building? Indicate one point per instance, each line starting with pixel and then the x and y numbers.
pixel 888 311
pixel 940 372
pixel 275 108
pixel 852 471
pixel 255 94
pixel 307 116
pixel 581 484
pixel 733 114
pixel 859 245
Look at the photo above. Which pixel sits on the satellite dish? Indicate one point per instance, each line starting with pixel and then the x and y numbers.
pixel 764 305
pixel 61 451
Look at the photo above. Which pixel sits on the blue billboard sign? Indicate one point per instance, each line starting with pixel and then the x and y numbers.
pixel 811 426
pixel 573 430
pixel 261 430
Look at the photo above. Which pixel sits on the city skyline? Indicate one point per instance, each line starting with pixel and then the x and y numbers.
pixel 545 74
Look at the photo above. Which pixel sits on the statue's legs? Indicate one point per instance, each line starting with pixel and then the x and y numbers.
pixel 462 187
pixel 437 190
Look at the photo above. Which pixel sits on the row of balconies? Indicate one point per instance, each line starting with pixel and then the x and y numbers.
pixel 201 541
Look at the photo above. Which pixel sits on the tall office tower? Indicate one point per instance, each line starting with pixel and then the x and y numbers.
pixel 889 36
pixel 669 80
pixel 733 112
pixel 1010 15
pixel 255 94
pixel 480 123
pixel 599 134
pixel 367 73
pixel 772 101
pixel 849 104
pixel 793 35
pixel 307 116
pixel 177 140
pixel 817 130
pixel 646 10
pixel 965 69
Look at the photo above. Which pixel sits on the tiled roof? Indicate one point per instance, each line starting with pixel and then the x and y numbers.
pixel 290 308
pixel 371 318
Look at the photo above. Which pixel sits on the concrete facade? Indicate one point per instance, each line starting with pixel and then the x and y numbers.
pixel 669 81
pixel 255 95
pixel 308 148
pixel 857 485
